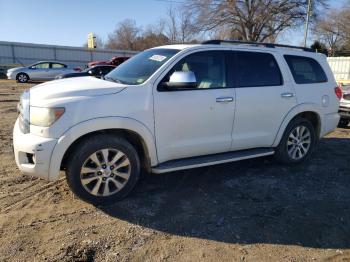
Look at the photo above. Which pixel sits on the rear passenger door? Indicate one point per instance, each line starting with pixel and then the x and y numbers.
pixel 263 98
pixel 56 69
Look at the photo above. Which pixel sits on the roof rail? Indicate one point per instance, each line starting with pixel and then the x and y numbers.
pixel 269 45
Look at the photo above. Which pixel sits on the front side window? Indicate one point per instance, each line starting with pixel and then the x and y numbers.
pixel 257 69
pixel 305 70
pixel 41 66
pixel 140 67
pixel 209 69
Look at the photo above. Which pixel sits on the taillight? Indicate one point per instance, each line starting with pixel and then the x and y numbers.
pixel 338 92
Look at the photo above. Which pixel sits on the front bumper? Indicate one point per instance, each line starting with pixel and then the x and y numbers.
pixel 11 75
pixel 32 153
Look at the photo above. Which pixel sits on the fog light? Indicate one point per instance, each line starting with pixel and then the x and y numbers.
pixel 30 158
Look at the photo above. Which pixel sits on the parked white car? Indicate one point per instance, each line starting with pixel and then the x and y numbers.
pixel 172 108
pixel 41 71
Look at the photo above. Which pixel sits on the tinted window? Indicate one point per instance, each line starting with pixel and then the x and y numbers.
pixel 106 69
pixel 305 70
pixel 208 67
pixel 257 69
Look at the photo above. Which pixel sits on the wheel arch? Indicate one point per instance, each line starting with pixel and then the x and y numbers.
pixel 132 137
pixel 310 112
pixel 24 73
pixel 132 130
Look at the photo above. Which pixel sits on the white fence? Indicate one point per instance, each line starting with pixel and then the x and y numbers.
pixel 13 53
pixel 340 67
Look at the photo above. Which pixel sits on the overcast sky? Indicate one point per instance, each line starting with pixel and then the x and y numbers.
pixel 68 22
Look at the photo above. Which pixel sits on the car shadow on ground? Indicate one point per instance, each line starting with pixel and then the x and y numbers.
pixel 253 201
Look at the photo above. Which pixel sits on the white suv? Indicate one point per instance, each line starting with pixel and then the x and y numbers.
pixel 176 107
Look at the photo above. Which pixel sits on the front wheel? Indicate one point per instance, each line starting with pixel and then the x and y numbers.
pixel 103 169
pixel 22 78
pixel 297 143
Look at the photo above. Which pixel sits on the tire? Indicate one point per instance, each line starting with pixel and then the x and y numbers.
pixel 85 171
pixel 288 147
pixel 343 123
pixel 22 78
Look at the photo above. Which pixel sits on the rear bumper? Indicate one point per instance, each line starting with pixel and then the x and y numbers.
pixel 329 123
pixel 32 153
pixel 344 112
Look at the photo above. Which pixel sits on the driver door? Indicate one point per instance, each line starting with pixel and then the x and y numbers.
pixel 195 121
pixel 39 71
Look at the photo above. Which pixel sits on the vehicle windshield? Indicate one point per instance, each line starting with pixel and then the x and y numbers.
pixel 140 67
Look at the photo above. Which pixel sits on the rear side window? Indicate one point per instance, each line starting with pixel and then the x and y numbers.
pixel 305 70
pixel 257 69
pixel 58 65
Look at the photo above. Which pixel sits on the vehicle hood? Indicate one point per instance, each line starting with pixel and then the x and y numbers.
pixel 72 88
pixel 16 68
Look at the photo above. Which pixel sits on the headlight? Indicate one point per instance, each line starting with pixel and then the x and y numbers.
pixel 42 116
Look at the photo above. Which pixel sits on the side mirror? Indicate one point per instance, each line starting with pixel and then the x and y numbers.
pixel 180 79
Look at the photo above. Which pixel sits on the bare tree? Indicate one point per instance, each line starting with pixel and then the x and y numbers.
pixel 129 36
pixel 329 30
pixel 171 25
pixel 124 36
pixel 333 29
pixel 179 27
pixel 345 26
pixel 251 20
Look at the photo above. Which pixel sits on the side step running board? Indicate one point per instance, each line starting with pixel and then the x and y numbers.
pixel 208 160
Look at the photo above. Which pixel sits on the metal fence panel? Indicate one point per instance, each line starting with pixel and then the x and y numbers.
pixel 13 53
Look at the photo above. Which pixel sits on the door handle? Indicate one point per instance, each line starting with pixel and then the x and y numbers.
pixel 287 95
pixel 224 99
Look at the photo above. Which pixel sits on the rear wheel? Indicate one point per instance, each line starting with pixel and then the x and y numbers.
pixel 297 143
pixel 103 169
pixel 22 78
pixel 343 123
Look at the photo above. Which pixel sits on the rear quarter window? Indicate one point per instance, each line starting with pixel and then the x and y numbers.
pixel 305 70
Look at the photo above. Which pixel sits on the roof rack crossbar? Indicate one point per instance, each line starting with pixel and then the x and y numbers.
pixel 269 45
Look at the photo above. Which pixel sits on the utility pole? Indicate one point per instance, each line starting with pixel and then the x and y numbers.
pixel 307 21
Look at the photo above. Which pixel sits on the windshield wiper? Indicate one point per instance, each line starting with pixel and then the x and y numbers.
pixel 113 80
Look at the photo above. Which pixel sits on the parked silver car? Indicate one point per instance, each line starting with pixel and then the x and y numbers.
pixel 41 71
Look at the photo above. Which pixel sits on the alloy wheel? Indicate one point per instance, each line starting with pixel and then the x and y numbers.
pixel 22 78
pixel 105 172
pixel 299 142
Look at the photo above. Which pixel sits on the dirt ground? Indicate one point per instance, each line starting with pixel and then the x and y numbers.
pixel 254 210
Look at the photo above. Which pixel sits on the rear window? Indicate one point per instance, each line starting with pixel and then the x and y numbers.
pixel 305 70
pixel 257 69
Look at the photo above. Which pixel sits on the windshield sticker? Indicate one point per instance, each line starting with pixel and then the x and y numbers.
pixel 158 58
